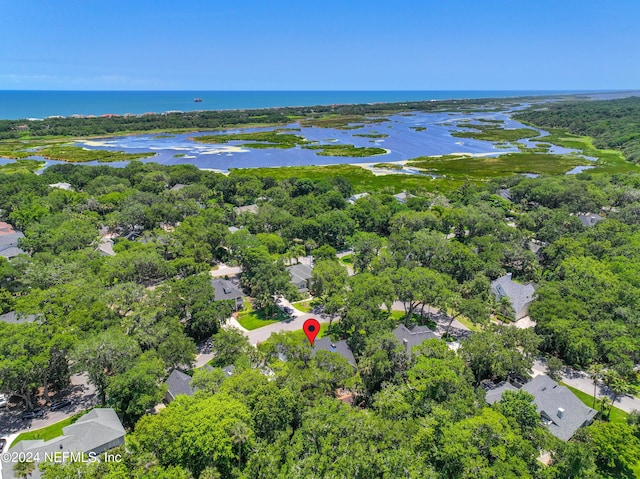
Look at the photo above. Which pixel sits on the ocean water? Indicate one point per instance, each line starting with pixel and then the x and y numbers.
pixel 17 104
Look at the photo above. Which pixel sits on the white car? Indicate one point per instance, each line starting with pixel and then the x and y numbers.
pixel 3 400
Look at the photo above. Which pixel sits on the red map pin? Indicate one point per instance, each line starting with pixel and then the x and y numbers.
pixel 311 328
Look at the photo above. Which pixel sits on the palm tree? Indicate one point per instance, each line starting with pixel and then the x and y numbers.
pixel 240 434
pixel 24 468
pixel 595 373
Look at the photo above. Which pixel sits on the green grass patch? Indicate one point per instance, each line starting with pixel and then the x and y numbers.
pixel 251 319
pixel 263 139
pixel 418 128
pixel 471 167
pixel 491 133
pixel 371 135
pixel 388 166
pixel 21 166
pixel 617 415
pixel 304 306
pixel 360 178
pixel 609 161
pixel 49 432
pixel 347 259
pixel 179 155
pixel 76 154
pixel 346 150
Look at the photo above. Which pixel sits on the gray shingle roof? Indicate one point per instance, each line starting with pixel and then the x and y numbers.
pixel 589 219
pixel 179 383
pixel 413 337
pixel 495 394
pixel 225 290
pixel 339 347
pixel 246 209
pixel 97 431
pixel 519 294
pixel 550 398
pixel 16 318
pixel 11 239
pixel 301 271
pixel 10 252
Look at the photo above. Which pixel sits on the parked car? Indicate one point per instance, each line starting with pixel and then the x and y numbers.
pixel 3 442
pixel 36 413
pixel 3 400
pixel 288 310
pixel 59 404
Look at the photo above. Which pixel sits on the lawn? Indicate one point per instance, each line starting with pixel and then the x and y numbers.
pixel 617 415
pixel 304 306
pixel 251 319
pixel 49 432
pixel 347 259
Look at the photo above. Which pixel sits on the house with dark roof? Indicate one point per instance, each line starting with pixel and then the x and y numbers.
pixel 178 383
pixel 92 434
pixel 520 295
pixel 338 347
pixel 589 219
pixel 301 276
pixel 226 290
pixel 413 337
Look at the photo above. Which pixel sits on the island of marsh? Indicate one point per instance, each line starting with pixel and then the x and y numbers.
pixel 265 139
pixel 493 133
pixel 347 150
pixel 479 167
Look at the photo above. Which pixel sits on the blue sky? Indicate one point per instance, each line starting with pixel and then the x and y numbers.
pixel 313 45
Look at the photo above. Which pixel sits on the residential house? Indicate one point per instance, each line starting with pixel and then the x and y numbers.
pixel 356 197
pixel 505 193
pixel 338 347
pixel 301 276
pixel 253 209
pixel 15 318
pixel 494 391
pixel 226 290
pixel 413 337
pixel 590 219
pixel 403 197
pixel 520 295
pixel 9 241
pixel 92 434
pixel 105 248
pixel 178 383
pixel 61 186
pixel 560 410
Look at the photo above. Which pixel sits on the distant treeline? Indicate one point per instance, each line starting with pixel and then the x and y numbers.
pixel 613 124
pixel 105 125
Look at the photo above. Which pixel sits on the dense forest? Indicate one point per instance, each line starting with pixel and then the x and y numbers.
pixel 131 318
pixel 614 124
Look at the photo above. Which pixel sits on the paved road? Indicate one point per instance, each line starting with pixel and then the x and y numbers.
pixel 581 381
pixel 224 270
pixel 82 394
